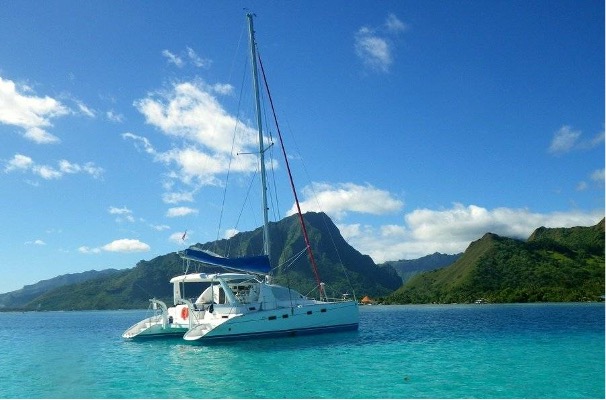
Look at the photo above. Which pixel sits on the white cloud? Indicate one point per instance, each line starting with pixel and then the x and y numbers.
pixel 452 230
pixel 595 141
pixel 23 163
pixel 180 212
pixel 374 46
pixel 141 143
pixel 92 170
pixel 172 58
pixel 566 140
pixel 197 60
pixel 160 228
pixel 598 176
pixel 19 162
pixel 84 109
pixel 373 50
pixel 114 116
pixel 223 88
pixel 177 197
pixel 188 55
pixel 394 25
pixel 123 214
pixel 68 167
pixel 126 246
pixel 47 172
pixel 191 112
pixel 195 166
pixel 337 200
pixel 37 242
pixel 88 250
pixel 119 211
pixel 39 135
pixel 31 113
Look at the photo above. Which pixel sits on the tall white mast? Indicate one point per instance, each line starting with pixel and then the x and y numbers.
pixel 253 60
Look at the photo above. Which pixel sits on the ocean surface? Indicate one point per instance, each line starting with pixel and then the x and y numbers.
pixel 421 351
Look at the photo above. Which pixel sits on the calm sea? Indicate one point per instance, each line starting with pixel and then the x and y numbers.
pixel 445 351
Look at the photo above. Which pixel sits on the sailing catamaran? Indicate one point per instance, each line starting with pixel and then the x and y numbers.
pixel 242 302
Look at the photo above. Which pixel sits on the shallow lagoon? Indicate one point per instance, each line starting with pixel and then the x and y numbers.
pixel 420 351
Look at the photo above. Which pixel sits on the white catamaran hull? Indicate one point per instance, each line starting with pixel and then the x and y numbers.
pixel 152 327
pixel 298 320
pixel 175 321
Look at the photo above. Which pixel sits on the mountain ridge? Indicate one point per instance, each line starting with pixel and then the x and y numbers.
pixel 409 268
pixel 554 264
pixel 24 295
pixel 133 287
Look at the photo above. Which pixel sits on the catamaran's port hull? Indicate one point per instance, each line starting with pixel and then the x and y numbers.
pixel 158 335
pixel 152 327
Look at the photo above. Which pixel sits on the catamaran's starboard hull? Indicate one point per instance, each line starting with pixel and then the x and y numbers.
pixel 281 333
pixel 306 320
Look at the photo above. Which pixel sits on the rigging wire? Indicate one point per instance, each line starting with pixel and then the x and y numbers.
pixel 273 193
pixel 233 143
pixel 301 220
pixel 242 33
pixel 324 217
pixel 315 196
pixel 250 186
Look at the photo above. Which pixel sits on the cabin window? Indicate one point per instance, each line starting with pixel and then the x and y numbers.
pixel 271 317
pixel 191 290
pixel 285 316
pixel 309 313
pixel 323 310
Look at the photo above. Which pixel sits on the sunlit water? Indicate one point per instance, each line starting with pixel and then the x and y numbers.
pixel 454 351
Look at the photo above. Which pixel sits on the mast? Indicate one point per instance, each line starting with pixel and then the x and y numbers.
pixel 253 60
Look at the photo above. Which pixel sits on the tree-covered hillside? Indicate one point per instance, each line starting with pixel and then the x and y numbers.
pixel 563 264
pixel 18 298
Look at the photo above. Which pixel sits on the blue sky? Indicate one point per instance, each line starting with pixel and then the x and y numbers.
pixel 417 126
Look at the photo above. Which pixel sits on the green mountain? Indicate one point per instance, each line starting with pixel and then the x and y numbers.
pixel 341 268
pixel 18 298
pixel 409 268
pixel 563 264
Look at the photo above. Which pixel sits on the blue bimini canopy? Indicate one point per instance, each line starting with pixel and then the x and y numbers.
pixel 254 264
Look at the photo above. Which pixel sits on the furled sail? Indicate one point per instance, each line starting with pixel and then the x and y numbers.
pixel 254 264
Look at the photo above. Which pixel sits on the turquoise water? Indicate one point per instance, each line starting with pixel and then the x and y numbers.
pixel 445 351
